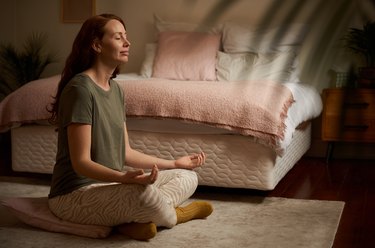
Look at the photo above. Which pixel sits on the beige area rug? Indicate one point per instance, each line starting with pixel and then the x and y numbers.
pixel 238 220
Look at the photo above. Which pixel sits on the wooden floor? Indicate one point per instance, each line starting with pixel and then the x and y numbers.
pixel 351 181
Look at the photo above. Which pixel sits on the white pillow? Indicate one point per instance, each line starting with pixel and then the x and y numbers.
pixel 239 39
pixel 250 66
pixel 230 65
pixel 148 62
pixel 35 212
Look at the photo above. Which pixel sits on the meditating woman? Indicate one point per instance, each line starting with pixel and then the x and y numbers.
pixel 89 184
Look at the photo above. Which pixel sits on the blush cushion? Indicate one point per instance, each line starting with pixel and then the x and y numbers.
pixel 35 212
pixel 186 56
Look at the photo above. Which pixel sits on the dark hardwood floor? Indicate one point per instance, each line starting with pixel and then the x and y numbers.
pixel 351 181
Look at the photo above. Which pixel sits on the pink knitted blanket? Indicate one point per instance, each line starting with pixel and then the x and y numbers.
pixel 256 108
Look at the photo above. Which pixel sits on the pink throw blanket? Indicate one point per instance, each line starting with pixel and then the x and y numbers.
pixel 28 104
pixel 256 108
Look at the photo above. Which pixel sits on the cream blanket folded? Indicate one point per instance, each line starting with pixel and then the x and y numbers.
pixel 256 108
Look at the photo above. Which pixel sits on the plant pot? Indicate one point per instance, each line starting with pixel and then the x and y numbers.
pixel 366 77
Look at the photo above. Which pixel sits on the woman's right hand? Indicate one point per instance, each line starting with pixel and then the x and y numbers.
pixel 139 177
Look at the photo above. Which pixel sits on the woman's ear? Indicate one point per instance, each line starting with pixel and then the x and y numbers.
pixel 96 46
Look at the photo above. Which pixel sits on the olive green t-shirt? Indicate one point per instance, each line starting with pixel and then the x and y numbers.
pixel 83 101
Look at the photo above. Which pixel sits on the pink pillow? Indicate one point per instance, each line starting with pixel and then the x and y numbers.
pixel 35 212
pixel 186 56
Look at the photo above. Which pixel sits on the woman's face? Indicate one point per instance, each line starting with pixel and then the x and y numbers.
pixel 114 46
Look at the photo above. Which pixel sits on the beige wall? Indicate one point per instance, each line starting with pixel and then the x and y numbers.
pixel 19 18
pixel 328 22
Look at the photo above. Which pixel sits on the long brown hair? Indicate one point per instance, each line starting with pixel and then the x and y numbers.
pixel 82 55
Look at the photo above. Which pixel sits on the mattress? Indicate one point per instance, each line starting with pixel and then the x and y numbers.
pixel 233 161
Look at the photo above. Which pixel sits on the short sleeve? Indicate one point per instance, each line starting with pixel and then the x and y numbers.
pixel 76 105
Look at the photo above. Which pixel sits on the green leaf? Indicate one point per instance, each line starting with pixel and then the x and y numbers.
pixel 21 67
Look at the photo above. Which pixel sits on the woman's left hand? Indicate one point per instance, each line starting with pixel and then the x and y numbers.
pixel 191 161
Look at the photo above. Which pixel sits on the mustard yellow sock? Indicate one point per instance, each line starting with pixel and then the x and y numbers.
pixel 195 210
pixel 138 231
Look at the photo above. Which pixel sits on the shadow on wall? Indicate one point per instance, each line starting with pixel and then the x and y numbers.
pixel 327 20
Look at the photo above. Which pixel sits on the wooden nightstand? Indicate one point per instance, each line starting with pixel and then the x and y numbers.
pixel 348 115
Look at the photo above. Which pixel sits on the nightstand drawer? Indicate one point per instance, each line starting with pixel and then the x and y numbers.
pixel 344 103
pixel 337 128
pixel 348 115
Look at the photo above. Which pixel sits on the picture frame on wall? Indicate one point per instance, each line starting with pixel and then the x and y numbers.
pixel 76 11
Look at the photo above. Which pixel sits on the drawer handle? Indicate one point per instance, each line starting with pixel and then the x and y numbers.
pixel 360 105
pixel 357 127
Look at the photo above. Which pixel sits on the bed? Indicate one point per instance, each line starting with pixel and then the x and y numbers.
pixel 243 105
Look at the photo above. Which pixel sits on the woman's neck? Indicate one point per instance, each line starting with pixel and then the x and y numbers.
pixel 100 77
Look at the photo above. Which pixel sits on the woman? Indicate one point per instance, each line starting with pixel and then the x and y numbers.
pixel 89 185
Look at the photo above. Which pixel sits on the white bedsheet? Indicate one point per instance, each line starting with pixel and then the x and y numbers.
pixel 308 105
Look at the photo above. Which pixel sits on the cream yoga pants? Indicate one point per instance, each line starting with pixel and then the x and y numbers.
pixel 114 204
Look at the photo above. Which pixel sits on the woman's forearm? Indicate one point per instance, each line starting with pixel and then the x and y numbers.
pixel 97 171
pixel 140 160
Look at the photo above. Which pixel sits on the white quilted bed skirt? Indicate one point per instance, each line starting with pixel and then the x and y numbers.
pixel 233 161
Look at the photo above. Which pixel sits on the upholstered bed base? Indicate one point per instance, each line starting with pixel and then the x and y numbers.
pixel 232 160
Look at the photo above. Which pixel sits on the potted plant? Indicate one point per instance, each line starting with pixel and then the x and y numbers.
pixel 20 67
pixel 362 42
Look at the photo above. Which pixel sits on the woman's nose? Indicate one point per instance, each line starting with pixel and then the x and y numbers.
pixel 126 42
